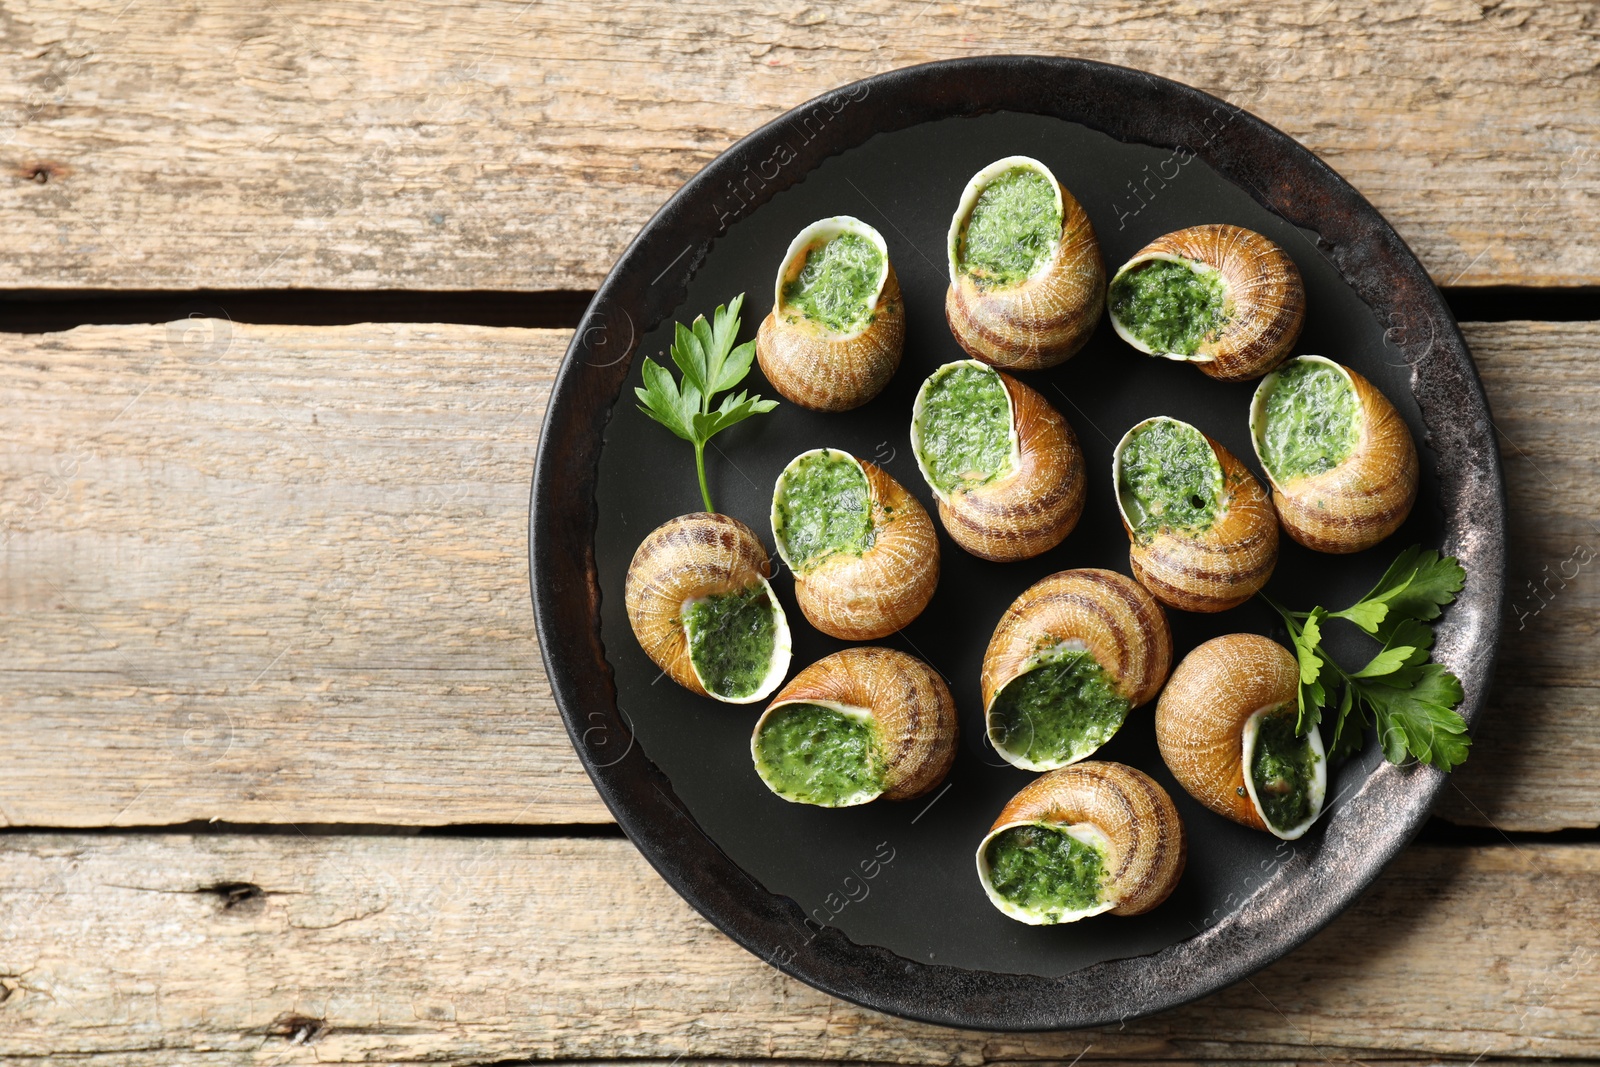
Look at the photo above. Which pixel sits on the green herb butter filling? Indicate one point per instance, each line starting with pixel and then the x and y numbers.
pixel 1169 478
pixel 963 431
pixel 819 755
pixel 1310 423
pixel 836 286
pixel 822 506
pixel 1171 307
pixel 1283 771
pixel 1058 711
pixel 731 639
pixel 1012 231
pixel 1046 871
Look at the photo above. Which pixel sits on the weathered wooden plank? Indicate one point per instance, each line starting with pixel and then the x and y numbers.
pixel 516 145
pixel 407 949
pixel 277 574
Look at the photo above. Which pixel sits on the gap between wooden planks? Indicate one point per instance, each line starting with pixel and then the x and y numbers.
pixel 516 145
pixel 401 949
pixel 278 574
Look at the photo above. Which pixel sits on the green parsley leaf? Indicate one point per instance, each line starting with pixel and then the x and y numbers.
pixel 705 355
pixel 1408 699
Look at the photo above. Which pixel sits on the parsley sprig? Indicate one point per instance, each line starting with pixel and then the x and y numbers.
pixel 710 364
pixel 1408 699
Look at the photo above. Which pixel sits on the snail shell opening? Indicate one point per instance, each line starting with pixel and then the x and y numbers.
pixel 1013 451
pixel 1222 546
pixel 872 564
pixel 822 365
pixel 691 572
pixel 868 722
pixel 1317 789
pixel 1247 291
pixel 1085 833
pixel 1362 498
pixel 1034 320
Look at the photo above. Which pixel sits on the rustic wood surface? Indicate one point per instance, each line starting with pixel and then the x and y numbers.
pixel 519 144
pixel 206 524
pixel 389 949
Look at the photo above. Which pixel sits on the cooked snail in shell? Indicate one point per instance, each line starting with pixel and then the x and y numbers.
pixel 1226 726
pixel 833 338
pixel 854 726
pixel 1069 659
pixel 1224 298
pixel 1003 463
pixel 700 606
pixel 1087 839
pixel 1340 459
pixel 863 551
pixel 1203 534
pixel 1026 280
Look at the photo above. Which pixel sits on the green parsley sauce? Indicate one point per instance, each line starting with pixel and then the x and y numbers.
pixel 1013 229
pixel 1060 710
pixel 1170 479
pixel 822 507
pixel 1047 870
pixel 964 429
pixel 731 639
pixel 818 755
pixel 1171 307
pixel 835 287
pixel 1282 769
pixel 1310 423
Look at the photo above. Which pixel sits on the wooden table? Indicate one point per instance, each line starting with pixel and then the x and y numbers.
pixel 283 781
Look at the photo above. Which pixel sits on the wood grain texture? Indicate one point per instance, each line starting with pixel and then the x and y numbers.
pixel 403 950
pixel 278 574
pixel 519 145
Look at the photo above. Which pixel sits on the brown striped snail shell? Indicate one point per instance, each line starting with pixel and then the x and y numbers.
pixel 1035 505
pixel 683 560
pixel 1207 718
pixel 1215 568
pixel 865 596
pixel 1101 612
pixel 907 703
pixel 815 366
pixel 1044 319
pixel 1264 299
pixel 1356 504
pixel 1123 812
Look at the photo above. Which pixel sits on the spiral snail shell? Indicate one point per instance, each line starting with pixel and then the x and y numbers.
pixel 1026 280
pixel 699 604
pixel 1068 660
pixel 1004 464
pixel 1224 298
pixel 1225 725
pixel 1203 534
pixel 833 338
pixel 854 726
pixel 863 550
pixel 1086 839
pixel 1341 461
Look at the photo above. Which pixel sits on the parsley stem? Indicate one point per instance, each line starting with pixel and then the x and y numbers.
pixel 700 468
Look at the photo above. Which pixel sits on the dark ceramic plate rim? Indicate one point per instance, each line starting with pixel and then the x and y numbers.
pixel 1132 106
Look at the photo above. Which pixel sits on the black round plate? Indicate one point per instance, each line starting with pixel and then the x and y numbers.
pixel 880 904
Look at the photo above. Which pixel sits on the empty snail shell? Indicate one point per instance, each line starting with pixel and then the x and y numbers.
pixel 1026 279
pixel 1086 839
pixel 1340 459
pixel 854 726
pixel 1224 298
pixel 863 551
pixel 1203 534
pixel 698 601
pixel 1004 464
pixel 1225 725
pixel 833 338
pixel 1070 657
